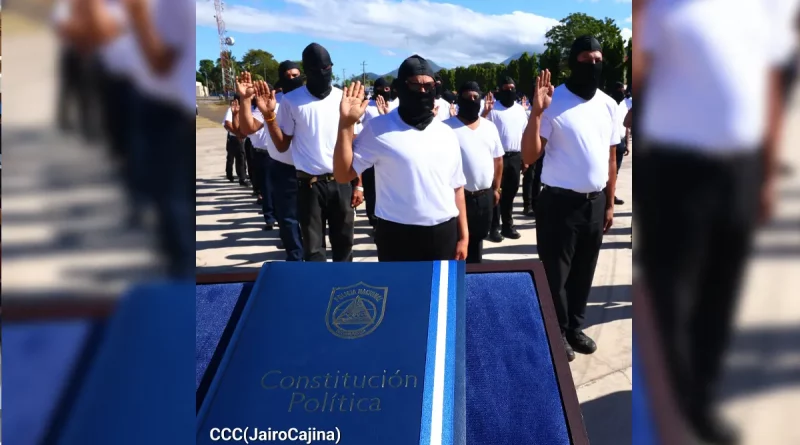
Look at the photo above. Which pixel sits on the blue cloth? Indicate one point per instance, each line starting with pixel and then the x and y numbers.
pixel 511 388
pixel 283 184
pixel 38 360
pixel 138 389
pixel 643 431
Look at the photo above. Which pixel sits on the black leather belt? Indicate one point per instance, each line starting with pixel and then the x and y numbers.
pixel 303 176
pixel 572 193
pixel 476 193
pixel 509 154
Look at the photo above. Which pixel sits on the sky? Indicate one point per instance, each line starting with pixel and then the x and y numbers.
pixel 384 32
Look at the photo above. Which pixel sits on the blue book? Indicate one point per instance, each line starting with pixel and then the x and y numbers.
pixel 356 353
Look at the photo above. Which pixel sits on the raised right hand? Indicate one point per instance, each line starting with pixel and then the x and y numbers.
pixel 488 103
pixel 265 98
pixel 244 86
pixel 543 93
pixel 353 105
pixel 383 107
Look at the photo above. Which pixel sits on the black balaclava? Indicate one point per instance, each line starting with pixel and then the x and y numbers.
pixel 507 97
pixel 469 110
pixel 618 93
pixel 285 82
pixel 319 70
pixel 450 97
pixel 380 84
pixel 585 77
pixel 393 90
pixel 416 107
pixel 438 79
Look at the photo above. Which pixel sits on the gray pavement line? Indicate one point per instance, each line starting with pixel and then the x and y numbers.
pixel 596 379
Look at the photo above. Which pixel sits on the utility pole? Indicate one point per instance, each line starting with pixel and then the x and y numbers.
pixel 344 79
pixel 364 72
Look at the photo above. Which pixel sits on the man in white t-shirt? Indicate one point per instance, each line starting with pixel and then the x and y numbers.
pixel 418 174
pixel 280 175
pixel 482 161
pixel 234 146
pixel 441 106
pixel 511 120
pixel 580 130
pixel 381 95
pixel 307 119
pixel 722 134
pixel 618 94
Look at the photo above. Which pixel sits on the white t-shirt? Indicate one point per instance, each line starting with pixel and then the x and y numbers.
pixel 511 123
pixel 479 148
pixel 416 172
pixel 394 103
pixel 175 23
pixel 579 136
pixel 313 124
pixel 228 118
pixel 444 109
pixel 262 139
pixel 278 96
pixel 370 113
pixel 704 102
pixel 628 103
pixel 622 110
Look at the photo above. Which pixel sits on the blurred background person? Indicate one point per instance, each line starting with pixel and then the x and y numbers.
pixel 699 118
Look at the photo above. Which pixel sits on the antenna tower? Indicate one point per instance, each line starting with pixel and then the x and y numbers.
pixel 228 81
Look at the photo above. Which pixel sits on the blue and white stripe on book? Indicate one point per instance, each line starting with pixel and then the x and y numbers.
pixel 439 387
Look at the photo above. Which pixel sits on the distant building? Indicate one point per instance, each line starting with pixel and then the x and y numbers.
pixel 200 90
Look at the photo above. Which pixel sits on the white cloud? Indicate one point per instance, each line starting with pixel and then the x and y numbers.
pixel 446 33
pixel 387 52
pixel 629 19
pixel 627 33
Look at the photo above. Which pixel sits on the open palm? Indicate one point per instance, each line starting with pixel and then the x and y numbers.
pixel 244 86
pixel 265 97
pixel 543 94
pixel 353 104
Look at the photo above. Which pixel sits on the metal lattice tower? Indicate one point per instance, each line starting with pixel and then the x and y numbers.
pixel 225 63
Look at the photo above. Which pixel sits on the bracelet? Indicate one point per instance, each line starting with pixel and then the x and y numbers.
pixel 272 119
pixel 359 188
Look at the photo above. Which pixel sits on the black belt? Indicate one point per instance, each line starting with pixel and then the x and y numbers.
pixel 572 193
pixel 303 176
pixel 509 154
pixel 476 193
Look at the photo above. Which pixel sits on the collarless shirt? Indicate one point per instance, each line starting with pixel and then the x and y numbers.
pixel 479 148
pixel 262 140
pixel 313 124
pixel 579 136
pixel 416 172
pixel 511 123
pixel 370 113
pixel 444 109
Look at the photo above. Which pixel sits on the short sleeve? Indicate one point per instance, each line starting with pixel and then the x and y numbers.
pixel 458 179
pixel 286 118
pixel 365 150
pixel 228 116
pixel 258 116
pixel 546 127
pixel 497 144
pixel 616 123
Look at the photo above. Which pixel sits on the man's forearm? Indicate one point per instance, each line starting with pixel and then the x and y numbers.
pixel 247 123
pixel 343 155
pixel 531 141
pixel 463 227
pixel 157 54
pixel 774 125
pixel 498 174
pixel 611 185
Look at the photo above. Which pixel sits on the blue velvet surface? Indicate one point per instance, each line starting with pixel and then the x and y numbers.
pixel 288 330
pixel 38 359
pixel 139 387
pixel 643 431
pixel 511 389
pixel 214 306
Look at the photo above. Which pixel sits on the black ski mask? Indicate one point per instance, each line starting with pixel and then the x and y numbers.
pixel 449 96
pixel 319 70
pixel 286 83
pixel 438 80
pixel 416 107
pixel 507 97
pixel 585 77
pixel 618 93
pixel 468 109
pixel 380 85
pixel 393 90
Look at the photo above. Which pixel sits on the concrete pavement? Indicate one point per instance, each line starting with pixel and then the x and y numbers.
pixel 229 238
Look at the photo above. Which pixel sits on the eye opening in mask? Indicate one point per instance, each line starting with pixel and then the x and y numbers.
pixel 417 87
pixel 471 95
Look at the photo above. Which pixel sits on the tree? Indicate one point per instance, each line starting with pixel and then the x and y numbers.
pixel 628 62
pixel 561 37
pixel 260 62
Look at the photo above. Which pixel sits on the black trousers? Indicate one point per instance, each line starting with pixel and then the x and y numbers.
pixel 252 169
pixel 479 220
pixel 235 149
pixel 368 182
pixel 80 98
pixel 512 165
pixel 621 153
pixel 262 164
pixel 403 242
pixel 532 183
pixel 320 201
pixel 569 232
pixel 693 253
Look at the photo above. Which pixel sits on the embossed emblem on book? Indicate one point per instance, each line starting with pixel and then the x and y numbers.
pixel 356 311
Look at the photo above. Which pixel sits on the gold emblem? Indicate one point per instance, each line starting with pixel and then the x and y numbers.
pixel 355 311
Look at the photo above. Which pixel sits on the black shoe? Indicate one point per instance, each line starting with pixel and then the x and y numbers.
pixel 715 430
pixel 259 201
pixel 568 348
pixel 230 178
pixel 511 233
pixel 581 343
pixel 244 183
pixel 267 227
pixel 495 237
pixel 618 201
pixel 526 208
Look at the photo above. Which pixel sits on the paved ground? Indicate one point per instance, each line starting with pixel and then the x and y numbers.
pixel 229 237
